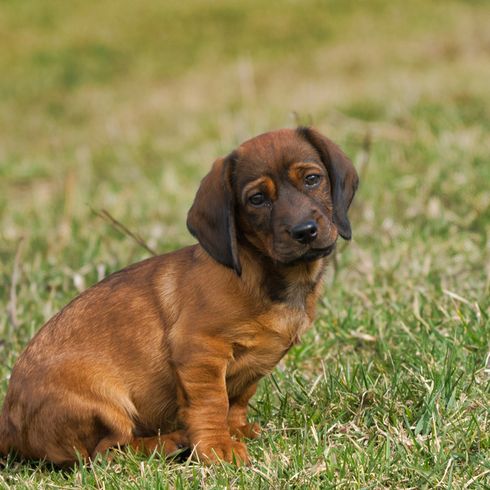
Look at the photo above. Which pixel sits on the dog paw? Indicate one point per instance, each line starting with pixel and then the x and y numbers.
pixel 228 451
pixel 166 444
pixel 247 431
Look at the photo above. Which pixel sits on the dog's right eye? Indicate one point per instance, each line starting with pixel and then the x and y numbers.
pixel 257 200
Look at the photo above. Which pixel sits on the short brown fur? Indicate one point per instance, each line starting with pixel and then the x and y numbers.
pixel 167 352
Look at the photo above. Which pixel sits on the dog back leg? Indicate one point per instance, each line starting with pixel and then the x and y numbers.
pixel 115 429
pixel 65 434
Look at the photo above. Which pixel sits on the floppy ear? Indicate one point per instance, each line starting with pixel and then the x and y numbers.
pixel 211 218
pixel 342 174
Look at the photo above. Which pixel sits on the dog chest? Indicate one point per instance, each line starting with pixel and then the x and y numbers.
pixel 261 343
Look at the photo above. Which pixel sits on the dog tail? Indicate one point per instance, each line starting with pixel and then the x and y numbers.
pixel 4 436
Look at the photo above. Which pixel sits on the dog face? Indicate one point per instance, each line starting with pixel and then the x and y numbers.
pixel 285 193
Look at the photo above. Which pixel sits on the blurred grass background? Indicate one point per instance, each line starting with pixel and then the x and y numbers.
pixel 124 105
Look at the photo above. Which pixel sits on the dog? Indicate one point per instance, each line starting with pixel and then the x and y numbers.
pixel 167 353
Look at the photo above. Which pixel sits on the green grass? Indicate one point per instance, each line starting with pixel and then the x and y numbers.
pixel 124 107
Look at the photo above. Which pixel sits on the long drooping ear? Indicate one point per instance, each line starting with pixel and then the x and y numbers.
pixel 342 174
pixel 211 218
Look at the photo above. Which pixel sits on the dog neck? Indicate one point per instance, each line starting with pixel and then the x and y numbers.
pixel 292 285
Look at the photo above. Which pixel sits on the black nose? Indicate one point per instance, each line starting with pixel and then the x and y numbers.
pixel 305 232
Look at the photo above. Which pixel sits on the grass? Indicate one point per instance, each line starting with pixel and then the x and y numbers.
pixel 125 107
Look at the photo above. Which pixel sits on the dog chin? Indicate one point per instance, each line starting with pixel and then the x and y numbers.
pixel 310 255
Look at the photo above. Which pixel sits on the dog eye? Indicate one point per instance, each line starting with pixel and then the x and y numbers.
pixel 257 199
pixel 312 180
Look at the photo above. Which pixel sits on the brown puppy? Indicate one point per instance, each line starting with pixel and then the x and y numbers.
pixel 167 352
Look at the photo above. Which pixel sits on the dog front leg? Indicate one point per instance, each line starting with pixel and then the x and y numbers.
pixel 237 415
pixel 204 405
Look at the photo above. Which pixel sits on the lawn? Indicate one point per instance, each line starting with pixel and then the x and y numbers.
pixel 123 106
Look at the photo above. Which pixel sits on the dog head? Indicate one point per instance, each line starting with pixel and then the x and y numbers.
pixel 285 193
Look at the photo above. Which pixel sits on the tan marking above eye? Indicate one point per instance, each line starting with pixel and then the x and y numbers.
pixel 298 171
pixel 262 184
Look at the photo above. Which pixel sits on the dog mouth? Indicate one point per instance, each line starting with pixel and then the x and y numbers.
pixel 311 255
pixel 317 253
